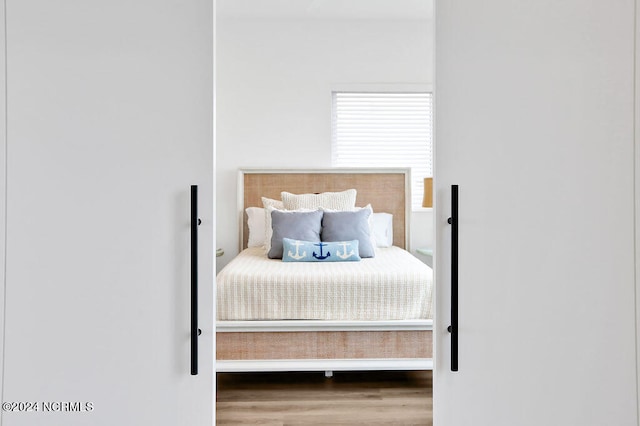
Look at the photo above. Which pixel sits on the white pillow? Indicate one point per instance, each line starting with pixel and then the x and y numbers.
pixel 382 229
pixel 256 225
pixel 345 200
pixel 269 203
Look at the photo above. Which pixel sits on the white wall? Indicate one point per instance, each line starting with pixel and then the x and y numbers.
pixel 274 85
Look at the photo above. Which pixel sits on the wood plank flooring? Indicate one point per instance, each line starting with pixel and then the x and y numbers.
pixel 348 398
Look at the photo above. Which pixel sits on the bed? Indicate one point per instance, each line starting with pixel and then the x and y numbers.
pixel 374 314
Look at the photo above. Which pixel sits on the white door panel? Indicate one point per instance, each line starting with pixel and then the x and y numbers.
pixel 3 193
pixel 637 200
pixel 534 121
pixel 109 123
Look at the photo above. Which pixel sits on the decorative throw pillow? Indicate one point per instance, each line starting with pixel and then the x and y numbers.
pixel 297 225
pixel 344 200
pixel 347 226
pixel 256 223
pixel 368 207
pixel 308 251
pixel 270 202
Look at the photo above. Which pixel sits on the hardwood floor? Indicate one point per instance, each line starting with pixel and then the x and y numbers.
pixel 348 398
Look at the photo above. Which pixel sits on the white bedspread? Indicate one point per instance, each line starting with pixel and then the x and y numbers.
pixel 393 285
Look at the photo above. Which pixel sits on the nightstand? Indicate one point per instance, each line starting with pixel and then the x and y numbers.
pixel 428 253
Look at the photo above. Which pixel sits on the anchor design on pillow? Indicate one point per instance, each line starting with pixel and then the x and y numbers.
pixel 321 256
pixel 297 256
pixel 344 254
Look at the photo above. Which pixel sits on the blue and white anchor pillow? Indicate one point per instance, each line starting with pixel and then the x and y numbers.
pixel 320 251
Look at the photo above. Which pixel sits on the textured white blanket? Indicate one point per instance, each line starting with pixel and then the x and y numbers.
pixel 393 285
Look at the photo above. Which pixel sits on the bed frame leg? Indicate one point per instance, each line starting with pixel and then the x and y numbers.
pixel 328 374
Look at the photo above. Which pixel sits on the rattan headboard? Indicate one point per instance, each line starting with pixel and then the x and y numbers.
pixel 387 190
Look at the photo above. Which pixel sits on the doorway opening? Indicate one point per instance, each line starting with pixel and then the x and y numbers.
pixel 279 65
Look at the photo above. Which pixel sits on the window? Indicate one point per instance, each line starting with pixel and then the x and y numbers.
pixel 384 130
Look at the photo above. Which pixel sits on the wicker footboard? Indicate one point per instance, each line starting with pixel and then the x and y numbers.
pixel 324 345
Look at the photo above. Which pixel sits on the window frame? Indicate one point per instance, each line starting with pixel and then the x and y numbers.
pixel 394 89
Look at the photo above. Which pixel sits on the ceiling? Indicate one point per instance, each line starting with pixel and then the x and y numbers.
pixel 326 9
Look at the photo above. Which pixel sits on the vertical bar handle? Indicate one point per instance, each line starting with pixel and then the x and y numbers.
pixel 194 280
pixel 453 328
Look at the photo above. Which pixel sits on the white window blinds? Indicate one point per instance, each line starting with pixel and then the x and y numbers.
pixel 384 130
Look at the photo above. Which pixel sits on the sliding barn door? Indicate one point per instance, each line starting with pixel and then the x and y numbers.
pixel 109 123
pixel 535 124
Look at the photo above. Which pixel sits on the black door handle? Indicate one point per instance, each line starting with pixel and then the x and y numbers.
pixel 195 331
pixel 453 328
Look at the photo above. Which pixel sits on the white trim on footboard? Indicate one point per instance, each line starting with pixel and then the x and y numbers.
pixel 282 365
pixel 321 325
